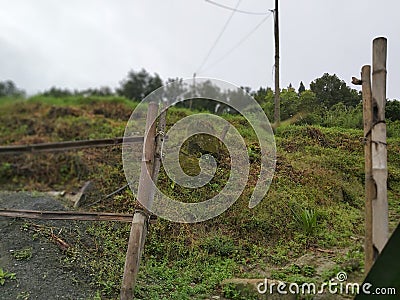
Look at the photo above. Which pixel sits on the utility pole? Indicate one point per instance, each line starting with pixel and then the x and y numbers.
pixel 194 91
pixel 277 110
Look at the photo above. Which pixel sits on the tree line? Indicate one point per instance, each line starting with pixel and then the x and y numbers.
pixel 328 102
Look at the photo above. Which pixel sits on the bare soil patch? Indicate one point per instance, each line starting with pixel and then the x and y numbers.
pixel 28 250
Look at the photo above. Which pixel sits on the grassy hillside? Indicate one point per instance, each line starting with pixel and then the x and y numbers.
pixel 314 207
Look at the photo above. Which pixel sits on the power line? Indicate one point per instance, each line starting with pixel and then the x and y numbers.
pixel 218 38
pixel 236 10
pixel 242 40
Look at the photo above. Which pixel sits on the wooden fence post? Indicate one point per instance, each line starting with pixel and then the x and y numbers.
pixel 139 226
pixel 369 182
pixel 380 218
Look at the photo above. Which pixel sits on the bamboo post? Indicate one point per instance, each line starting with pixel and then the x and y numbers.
pixel 140 219
pixel 369 182
pixel 380 219
pixel 135 247
pixel 157 154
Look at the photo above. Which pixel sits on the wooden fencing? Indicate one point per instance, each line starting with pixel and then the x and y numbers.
pixel 374 102
pixel 68 145
pixel 140 220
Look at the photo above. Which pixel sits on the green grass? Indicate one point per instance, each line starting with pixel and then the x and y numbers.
pixel 80 100
pixel 315 201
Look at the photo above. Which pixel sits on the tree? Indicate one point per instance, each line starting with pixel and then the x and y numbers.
pixel 138 85
pixel 393 110
pixel 9 89
pixel 57 92
pixel 289 103
pixel 260 95
pixel 307 101
pixel 103 91
pixel 330 90
pixel 268 103
pixel 302 88
pixel 175 90
pixel 210 91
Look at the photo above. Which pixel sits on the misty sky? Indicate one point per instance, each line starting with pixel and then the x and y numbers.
pixel 92 43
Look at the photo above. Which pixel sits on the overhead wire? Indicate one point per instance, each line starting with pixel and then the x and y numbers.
pixel 238 44
pixel 235 9
pixel 218 38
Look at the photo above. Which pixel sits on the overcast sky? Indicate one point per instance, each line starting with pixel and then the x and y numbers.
pixel 79 44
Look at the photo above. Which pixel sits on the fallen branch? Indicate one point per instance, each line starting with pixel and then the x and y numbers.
pixel 66 215
pixel 60 243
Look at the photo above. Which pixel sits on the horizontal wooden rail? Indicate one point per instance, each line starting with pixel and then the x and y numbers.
pixel 66 215
pixel 68 145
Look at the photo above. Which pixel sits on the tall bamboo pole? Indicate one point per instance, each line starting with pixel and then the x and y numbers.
pixel 380 232
pixel 369 182
pixel 139 225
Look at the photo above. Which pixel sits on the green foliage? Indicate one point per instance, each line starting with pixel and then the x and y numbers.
pixel 22 254
pixel 289 103
pixel 302 88
pixel 393 129
pixel 306 108
pixel 261 94
pixel 138 85
pixel 80 100
pixel 110 240
pixel 307 219
pixel 319 175
pixel 307 102
pixel 4 275
pixel 194 277
pixel 219 245
pixel 239 292
pixel 295 274
pixel 340 115
pixel 331 273
pixel 9 89
pixel 330 90
pixel 57 93
pixel 353 260
pixel 103 91
pixel 393 110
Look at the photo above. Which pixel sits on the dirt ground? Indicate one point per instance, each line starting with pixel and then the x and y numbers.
pixel 28 250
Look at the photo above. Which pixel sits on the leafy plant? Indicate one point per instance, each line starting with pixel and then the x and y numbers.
pixel 308 271
pixel 307 219
pixel 5 275
pixel 23 254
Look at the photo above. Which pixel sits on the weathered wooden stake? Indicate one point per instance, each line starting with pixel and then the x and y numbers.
pixel 369 182
pixel 83 191
pixel 139 226
pixel 380 219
